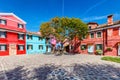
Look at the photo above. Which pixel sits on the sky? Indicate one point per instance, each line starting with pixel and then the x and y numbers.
pixel 35 12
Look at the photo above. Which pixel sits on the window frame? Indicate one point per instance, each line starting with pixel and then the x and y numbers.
pixel 89 27
pixel 19 35
pixel 5 45
pixel 40 48
pixel 93 35
pixel 98 44
pixel 3 32
pixel 21 25
pixel 40 38
pixel 3 20
pixel 28 46
pixel 97 34
pixel 22 46
pixel 85 47
pixel 29 37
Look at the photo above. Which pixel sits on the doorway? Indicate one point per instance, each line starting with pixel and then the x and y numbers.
pixel 12 49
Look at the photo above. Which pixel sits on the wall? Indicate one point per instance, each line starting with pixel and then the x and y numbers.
pixel 12 33
pixel 35 42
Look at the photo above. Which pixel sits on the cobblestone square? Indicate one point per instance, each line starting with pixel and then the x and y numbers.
pixel 51 67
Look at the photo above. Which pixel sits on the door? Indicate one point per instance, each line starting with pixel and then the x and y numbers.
pixel 12 49
pixel 90 49
pixel 48 48
pixel 118 50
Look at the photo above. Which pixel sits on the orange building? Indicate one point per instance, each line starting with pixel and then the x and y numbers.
pixel 105 37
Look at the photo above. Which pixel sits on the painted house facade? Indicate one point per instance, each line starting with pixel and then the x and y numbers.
pixel 104 37
pixel 12 34
pixel 35 44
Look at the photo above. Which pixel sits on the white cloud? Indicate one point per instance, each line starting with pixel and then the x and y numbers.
pixel 93 6
pixel 116 15
pixel 94 18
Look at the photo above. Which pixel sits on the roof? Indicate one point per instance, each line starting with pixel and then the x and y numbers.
pixel 34 33
pixel 92 23
pixel 106 25
pixel 12 14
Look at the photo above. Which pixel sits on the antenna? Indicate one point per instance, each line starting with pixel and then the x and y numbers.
pixel 62 7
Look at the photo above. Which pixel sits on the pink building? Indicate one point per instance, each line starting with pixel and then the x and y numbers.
pixel 12 34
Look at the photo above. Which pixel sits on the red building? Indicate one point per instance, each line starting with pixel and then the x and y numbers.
pixel 105 37
pixel 12 34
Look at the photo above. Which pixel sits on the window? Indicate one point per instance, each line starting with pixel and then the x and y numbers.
pixel 20 26
pixel 21 36
pixel 40 47
pixel 83 47
pixel 40 38
pixel 29 37
pixel 92 35
pixel 2 34
pixel 89 27
pixel 83 37
pixel 3 47
pixel 98 46
pixel 21 47
pixel 3 22
pixel 99 34
pixel 29 47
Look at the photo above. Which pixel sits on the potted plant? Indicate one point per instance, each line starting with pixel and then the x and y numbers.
pixel 99 52
pixel 109 49
pixel 82 48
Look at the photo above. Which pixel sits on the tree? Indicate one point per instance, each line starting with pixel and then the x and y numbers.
pixel 64 27
pixel 46 29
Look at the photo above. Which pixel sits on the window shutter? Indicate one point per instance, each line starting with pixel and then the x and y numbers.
pixel 32 47
pixel 5 47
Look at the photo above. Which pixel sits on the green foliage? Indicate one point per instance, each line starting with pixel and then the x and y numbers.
pixel 64 27
pixel 83 47
pixel 113 59
pixel 109 49
pixel 46 29
pixel 99 52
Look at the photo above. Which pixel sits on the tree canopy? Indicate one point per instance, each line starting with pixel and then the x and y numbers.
pixel 64 27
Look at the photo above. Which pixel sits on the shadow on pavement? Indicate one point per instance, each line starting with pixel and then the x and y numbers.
pixel 77 72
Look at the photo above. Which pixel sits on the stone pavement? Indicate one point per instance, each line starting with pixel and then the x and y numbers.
pixel 50 67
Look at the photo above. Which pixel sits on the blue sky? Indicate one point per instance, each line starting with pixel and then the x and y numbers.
pixel 34 12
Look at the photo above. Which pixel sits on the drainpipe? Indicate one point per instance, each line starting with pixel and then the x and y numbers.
pixel 103 40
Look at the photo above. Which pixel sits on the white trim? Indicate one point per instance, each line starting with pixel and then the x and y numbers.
pixel 12 14
pixel 21 44
pixel 97 36
pixel 12 31
pixel 2 30
pixel 119 31
pixel 105 28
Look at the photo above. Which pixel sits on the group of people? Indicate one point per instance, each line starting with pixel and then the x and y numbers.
pixel 59 46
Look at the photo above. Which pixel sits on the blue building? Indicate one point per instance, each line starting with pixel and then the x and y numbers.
pixel 35 44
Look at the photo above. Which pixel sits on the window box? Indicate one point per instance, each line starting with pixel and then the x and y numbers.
pixel 108 49
pixel 99 52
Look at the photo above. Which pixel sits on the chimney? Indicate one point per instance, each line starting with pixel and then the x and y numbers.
pixel 110 19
